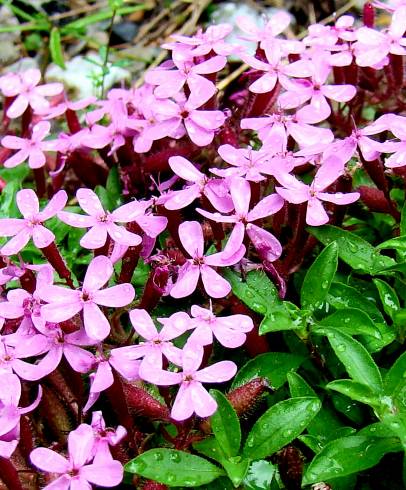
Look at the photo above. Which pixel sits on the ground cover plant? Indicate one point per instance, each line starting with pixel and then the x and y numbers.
pixel 203 278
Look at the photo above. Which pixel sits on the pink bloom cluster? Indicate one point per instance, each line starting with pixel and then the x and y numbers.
pixel 240 169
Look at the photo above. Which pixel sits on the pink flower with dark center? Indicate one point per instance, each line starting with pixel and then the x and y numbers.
pixel 214 189
pixel 191 236
pixel 210 40
pixel 170 82
pixel 240 190
pixel 31 225
pixel 103 223
pixel 24 86
pixel 64 303
pixel 10 412
pixel 32 148
pixel 230 330
pixel 191 397
pixel 77 472
pixel 297 192
pixel 11 355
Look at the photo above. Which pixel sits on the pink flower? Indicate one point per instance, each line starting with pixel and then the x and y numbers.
pixel 191 397
pixel 31 225
pixel 215 190
pixel 210 40
pixel 32 148
pixel 191 236
pixel 10 356
pixel 103 223
pixel 66 105
pixel 10 412
pixel 64 303
pixel 77 472
pixel 241 195
pixel 229 330
pixel 24 86
pixel 373 46
pixel 170 82
pixel 104 437
pixel 297 192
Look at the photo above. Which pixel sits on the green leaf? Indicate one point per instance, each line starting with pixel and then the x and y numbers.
pixel 280 425
pixel 398 243
pixel 113 188
pixel 298 387
pixel 356 391
pixel 257 291
pixel 283 318
pixel 348 455
pixel 55 48
pixel 317 281
pixel 395 379
pixel 356 359
pixel 389 298
pixel 342 296
pixel 236 469
pixel 352 321
pixel 352 249
pixel 174 468
pixel 210 448
pixel 225 425
pixel 274 366
pixel 259 476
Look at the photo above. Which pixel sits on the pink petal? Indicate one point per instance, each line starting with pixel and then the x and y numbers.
pixel 50 89
pixel 187 281
pixel 217 373
pixel 11 226
pixel 181 199
pixel 339 198
pixel 203 404
pixel 16 159
pixel 175 325
pixel 240 191
pixel 191 236
pixel 201 90
pixel 143 324
pixel 316 215
pixel 76 220
pixel 212 65
pixel 182 408
pixel 149 372
pixel 174 81
pixel 264 84
pixel 122 360
pixel 103 378
pixel 56 204
pixel 152 225
pixel 339 93
pixel 36 158
pixel 18 107
pixel 17 243
pixel 318 110
pixel 51 361
pixel 94 238
pixel 329 172
pixel 116 296
pixel 27 202
pixel 59 312
pixel 64 482
pixel 130 211
pixel 295 196
pixel 27 371
pixel 185 169
pixel 14 142
pixel 122 236
pixel 109 474
pixel 307 135
pixel 96 324
pixel 80 444
pixel 208 120
pixel 215 285
pixel 267 245
pixel 10 389
pixel 41 236
pixel 398 24
pixel 89 202
pixel 79 359
pixel 40 130
pixel 199 135
pixel 58 294
pixel 266 207
pixel 98 273
pixel 48 460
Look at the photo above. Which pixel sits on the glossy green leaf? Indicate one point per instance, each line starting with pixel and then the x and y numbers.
pixel 236 469
pixel 55 48
pixel 395 379
pixel 356 391
pixel 342 296
pixel 348 455
pixel 298 387
pixel 113 187
pixel 352 321
pixel 210 448
pixel 174 468
pixel 260 475
pixel 280 425
pixel 398 243
pixel 257 291
pixel 319 278
pixel 356 359
pixel 274 366
pixel 225 425
pixel 352 249
pixel 389 298
pixel 396 423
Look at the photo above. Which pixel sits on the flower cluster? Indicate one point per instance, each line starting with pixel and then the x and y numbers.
pixel 235 170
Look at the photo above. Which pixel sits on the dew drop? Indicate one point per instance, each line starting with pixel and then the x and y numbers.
pixel 341 347
pixel 347 319
pixel 170 478
pixel 324 285
pixel 158 456
pixel 175 457
pixel 139 466
pixel 288 433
